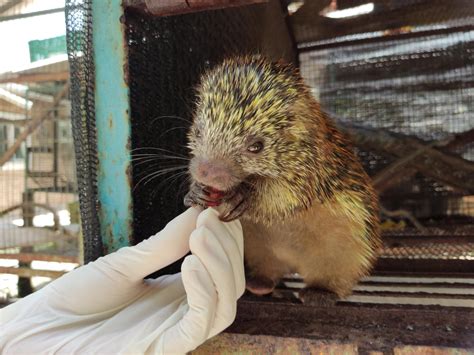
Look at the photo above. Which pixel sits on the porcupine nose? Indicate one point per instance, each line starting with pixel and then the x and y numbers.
pixel 212 173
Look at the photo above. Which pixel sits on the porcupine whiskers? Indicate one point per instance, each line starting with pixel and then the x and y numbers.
pixel 182 119
pixel 154 159
pixel 157 173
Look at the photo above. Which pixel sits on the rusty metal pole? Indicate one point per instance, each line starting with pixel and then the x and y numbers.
pixel 112 116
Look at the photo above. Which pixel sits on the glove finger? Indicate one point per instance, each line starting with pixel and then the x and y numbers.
pixel 193 329
pixel 230 237
pixel 154 253
pixel 205 246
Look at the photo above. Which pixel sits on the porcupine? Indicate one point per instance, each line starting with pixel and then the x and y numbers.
pixel 264 151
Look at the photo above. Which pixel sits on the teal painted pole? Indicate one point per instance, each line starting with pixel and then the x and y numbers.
pixel 112 114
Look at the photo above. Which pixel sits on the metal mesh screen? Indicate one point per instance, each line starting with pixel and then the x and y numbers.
pixel 166 57
pixel 418 86
pixel 38 199
pixel 81 60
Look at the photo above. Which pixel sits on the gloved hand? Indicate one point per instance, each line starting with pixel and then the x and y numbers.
pixel 105 307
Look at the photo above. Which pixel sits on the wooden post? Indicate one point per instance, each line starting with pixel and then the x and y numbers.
pixel 33 125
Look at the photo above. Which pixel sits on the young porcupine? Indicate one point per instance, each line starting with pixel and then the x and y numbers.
pixel 264 151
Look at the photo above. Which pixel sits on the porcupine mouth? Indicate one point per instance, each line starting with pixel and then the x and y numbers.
pixel 216 197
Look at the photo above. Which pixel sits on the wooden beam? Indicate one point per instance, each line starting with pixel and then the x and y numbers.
pixel 33 125
pixel 8 5
pixel 29 257
pixel 309 26
pixel 396 172
pixel 178 7
pixel 34 77
pixel 31 14
pixel 444 167
pixel 27 272
pixel 372 328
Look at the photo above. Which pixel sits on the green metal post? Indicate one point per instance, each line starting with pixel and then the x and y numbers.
pixel 112 112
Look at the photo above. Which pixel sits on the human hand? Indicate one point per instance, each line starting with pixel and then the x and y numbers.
pixel 107 307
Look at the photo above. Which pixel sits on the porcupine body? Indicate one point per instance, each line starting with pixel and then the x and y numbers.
pixel 264 151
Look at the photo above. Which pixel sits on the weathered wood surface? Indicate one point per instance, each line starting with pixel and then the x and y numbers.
pixel 441 166
pixel 178 7
pixel 309 26
pixel 398 171
pixel 33 125
pixel 27 272
pixel 29 257
pixel 33 77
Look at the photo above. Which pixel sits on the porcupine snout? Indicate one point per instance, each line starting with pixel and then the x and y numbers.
pixel 213 173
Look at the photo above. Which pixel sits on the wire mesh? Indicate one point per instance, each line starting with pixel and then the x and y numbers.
pixel 38 193
pixel 420 87
pixel 81 60
pixel 166 58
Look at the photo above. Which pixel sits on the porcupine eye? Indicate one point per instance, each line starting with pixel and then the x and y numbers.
pixel 255 147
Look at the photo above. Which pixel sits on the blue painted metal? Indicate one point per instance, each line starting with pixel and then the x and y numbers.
pixel 112 113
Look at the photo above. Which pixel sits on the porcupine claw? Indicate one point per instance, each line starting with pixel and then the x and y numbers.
pixel 235 205
pixel 199 196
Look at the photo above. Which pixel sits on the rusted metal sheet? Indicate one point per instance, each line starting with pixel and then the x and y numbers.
pixel 177 7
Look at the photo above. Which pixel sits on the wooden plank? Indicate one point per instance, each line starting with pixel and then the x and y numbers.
pixel 309 26
pixel 33 125
pixel 260 344
pixel 27 272
pixel 34 77
pixel 441 166
pixel 430 350
pixel 413 301
pixel 29 236
pixel 419 280
pixel 385 38
pixel 430 266
pixel 375 327
pixel 415 289
pixel 179 7
pixel 5 6
pixel 29 257
pixel 394 285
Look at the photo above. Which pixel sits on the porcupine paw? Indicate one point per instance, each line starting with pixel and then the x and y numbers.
pixel 259 285
pixel 235 205
pixel 199 196
pixel 317 297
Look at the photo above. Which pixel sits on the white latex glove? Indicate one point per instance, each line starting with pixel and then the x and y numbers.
pixel 105 307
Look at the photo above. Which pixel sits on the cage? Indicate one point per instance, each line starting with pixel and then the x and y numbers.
pixel 37 165
pixel 395 75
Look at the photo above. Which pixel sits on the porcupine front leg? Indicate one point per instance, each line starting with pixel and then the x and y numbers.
pixel 235 204
pixel 198 196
